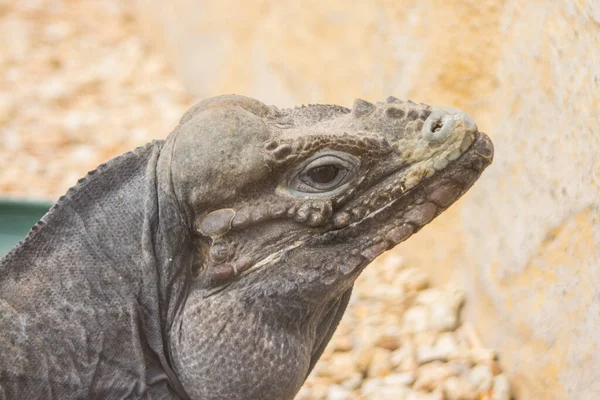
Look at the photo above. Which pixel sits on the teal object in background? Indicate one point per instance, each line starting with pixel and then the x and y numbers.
pixel 16 218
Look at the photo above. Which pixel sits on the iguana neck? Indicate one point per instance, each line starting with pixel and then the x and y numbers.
pixel 104 212
pixel 99 250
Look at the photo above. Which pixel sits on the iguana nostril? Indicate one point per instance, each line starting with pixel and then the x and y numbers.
pixel 437 125
pixel 442 122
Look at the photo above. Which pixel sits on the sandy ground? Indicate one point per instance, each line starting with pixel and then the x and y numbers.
pixel 79 85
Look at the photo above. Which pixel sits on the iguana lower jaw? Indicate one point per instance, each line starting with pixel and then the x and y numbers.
pixel 400 218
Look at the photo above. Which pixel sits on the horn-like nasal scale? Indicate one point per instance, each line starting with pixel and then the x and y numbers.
pixel 443 121
pixel 362 108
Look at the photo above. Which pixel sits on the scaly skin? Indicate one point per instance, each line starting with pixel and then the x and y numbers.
pixel 217 264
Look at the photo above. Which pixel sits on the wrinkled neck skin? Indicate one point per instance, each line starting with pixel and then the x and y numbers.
pixel 260 338
pixel 85 298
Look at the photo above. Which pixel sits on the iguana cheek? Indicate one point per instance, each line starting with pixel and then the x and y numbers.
pixel 309 212
pixel 250 215
pixel 222 258
pixel 219 252
pixel 221 273
pixel 312 212
pixel 216 223
pixel 341 220
pixel 218 274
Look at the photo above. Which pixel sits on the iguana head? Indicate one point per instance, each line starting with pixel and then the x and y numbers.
pixel 286 208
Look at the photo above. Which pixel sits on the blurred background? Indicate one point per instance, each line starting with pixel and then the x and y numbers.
pixel 82 81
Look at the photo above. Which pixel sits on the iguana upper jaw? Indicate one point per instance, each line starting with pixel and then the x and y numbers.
pixel 385 153
pixel 401 217
pixel 406 213
pixel 397 220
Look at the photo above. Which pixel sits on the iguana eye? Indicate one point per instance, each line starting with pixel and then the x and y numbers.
pixel 321 175
pixel 325 174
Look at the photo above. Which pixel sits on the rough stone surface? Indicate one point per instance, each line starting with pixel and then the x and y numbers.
pixel 526 246
pixel 360 365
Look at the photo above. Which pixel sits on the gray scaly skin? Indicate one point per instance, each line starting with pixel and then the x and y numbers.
pixel 217 264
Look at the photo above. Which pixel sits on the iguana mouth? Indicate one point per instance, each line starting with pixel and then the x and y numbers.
pixel 405 215
pixel 401 217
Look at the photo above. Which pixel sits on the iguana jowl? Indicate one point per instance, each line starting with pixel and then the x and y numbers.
pixel 217 264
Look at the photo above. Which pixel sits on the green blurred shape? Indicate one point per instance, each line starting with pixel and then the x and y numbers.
pixel 16 218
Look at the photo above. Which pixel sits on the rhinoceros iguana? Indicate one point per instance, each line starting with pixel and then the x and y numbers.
pixel 216 264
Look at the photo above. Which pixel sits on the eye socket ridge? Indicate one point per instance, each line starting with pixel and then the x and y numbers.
pixel 324 174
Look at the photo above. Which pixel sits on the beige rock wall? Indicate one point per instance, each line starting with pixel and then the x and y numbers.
pixel 525 242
